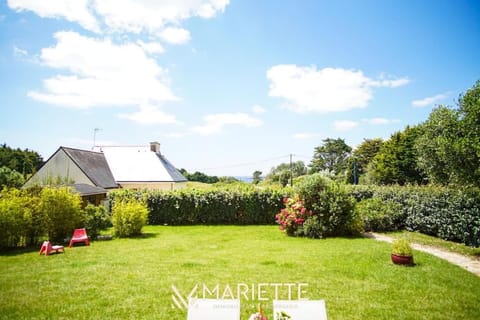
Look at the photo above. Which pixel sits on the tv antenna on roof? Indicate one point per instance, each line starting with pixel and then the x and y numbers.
pixel 95 136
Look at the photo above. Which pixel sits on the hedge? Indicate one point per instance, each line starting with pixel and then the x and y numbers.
pixel 29 216
pixel 212 207
pixel 448 213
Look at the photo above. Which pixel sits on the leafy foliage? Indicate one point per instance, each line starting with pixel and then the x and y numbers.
pixel 331 203
pixel 213 206
pixel 379 215
pixel 30 216
pixel 257 177
pixel 402 247
pixel 15 218
pixel 61 209
pixel 312 228
pixel 199 176
pixel 362 156
pixel 396 163
pixel 96 219
pixel 292 217
pixel 25 161
pixel 449 148
pixel 284 172
pixel 448 213
pixel 331 156
pixel 10 178
pixel 129 217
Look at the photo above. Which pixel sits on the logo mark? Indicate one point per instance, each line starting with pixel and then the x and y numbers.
pixel 181 302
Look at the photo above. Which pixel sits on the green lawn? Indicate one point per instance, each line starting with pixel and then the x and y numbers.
pixel 133 278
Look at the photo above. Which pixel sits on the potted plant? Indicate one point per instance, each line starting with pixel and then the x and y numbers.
pixel 402 252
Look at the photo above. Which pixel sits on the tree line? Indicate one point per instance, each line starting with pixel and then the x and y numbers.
pixel 443 150
pixel 17 165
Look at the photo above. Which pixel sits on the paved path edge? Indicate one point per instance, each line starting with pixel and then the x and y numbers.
pixel 470 264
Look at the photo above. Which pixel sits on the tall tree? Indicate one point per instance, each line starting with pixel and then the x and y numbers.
pixel 449 149
pixel 284 172
pixel 469 144
pixel 436 151
pixel 10 178
pixel 331 156
pixel 257 177
pixel 396 162
pixel 362 156
pixel 26 162
pixel 199 176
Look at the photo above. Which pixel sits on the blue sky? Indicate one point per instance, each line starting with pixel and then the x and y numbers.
pixel 228 87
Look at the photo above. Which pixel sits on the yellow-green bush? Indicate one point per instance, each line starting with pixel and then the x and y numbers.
pixel 15 218
pixel 129 217
pixel 62 211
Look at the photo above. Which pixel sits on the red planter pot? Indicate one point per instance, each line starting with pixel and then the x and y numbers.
pixel 402 260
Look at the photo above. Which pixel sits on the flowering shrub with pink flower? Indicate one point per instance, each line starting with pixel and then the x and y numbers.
pixel 292 217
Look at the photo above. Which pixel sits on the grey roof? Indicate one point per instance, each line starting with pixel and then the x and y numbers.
pixel 88 190
pixel 93 165
pixel 172 171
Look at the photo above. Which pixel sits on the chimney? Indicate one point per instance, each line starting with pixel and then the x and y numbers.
pixel 155 147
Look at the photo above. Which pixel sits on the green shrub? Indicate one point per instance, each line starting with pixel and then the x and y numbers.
pixel 379 215
pixel 445 212
pixel 237 206
pixel 331 203
pixel 312 228
pixel 61 210
pixel 96 219
pixel 129 217
pixel 292 217
pixel 15 219
pixel 402 247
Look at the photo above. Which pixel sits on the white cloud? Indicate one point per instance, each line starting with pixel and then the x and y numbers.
pixel 175 35
pixel 71 10
pixel 150 115
pixel 130 16
pixel 307 89
pixel 151 47
pixel 345 125
pixel 258 109
pixel 429 100
pixel 136 16
pixel 215 123
pixel 100 73
pixel 385 80
pixel 19 53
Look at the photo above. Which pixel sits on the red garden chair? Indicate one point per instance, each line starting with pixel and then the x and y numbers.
pixel 47 248
pixel 79 235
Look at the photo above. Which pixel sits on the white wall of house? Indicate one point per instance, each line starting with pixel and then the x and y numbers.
pixel 153 185
pixel 60 165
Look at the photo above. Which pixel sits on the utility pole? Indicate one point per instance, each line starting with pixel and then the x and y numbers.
pixel 291 170
pixel 354 171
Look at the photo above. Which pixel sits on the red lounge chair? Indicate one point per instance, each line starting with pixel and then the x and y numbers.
pixel 79 235
pixel 47 248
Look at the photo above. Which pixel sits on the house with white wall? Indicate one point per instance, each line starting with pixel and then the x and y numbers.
pixel 110 167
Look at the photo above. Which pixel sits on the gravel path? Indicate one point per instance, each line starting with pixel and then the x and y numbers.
pixel 467 263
